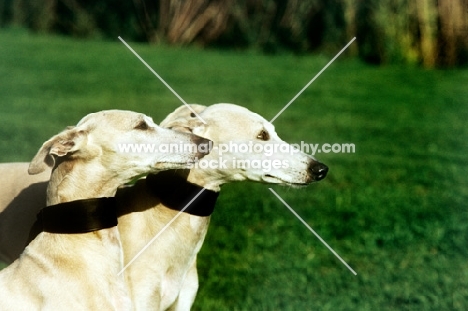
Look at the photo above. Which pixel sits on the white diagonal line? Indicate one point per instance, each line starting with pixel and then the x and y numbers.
pixel 312 230
pixel 160 78
pixel 310 82
pixel 160 232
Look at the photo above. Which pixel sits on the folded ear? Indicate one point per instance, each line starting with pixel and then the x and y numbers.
pixel 183 118
pixel 66 142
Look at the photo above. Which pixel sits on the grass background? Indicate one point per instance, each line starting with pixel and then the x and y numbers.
pixel 395 210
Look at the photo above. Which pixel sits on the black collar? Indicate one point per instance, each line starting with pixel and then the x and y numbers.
pixel 78 216
pixel 175 192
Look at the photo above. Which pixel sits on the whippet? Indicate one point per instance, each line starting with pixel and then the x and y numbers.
pixel 67 271
pixel 164 277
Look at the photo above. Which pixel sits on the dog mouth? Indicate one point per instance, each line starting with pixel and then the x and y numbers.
pixel 174 165
pixel 277 180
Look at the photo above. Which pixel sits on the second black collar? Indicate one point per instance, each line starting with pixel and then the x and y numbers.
pixel 175 192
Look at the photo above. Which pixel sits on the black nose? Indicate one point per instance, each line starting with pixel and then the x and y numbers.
pixel 318 171
pixel 204 145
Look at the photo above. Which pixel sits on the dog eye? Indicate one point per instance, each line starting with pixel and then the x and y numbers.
pixel 263 135
pixel 142 125
pixel 192 115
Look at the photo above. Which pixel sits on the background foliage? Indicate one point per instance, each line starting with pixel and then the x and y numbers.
pixel 427 32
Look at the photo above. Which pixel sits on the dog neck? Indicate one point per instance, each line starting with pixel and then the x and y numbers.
pixel 79 200
pixel 76 180
pixel 211 181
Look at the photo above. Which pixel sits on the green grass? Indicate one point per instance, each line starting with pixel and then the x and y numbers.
pixel 395 210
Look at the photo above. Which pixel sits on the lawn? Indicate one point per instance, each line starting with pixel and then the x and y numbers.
pixel 395 210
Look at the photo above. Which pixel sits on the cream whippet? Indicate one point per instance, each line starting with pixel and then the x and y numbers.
pixel 78 271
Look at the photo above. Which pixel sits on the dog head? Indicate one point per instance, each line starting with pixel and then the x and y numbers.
pixel 246 147
pixel 126 143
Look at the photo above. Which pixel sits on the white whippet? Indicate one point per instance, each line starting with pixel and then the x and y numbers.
pixel 165 277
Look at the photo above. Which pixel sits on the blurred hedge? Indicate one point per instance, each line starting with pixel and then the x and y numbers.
pixel 428 32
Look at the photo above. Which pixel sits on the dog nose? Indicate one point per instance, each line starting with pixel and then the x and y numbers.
pixel 318 171
pixel 204 146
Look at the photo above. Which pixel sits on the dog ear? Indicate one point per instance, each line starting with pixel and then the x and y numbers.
pixel 184 119
pixel 66 142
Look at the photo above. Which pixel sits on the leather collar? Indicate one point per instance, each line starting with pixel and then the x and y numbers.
pixel 78 216
pixel 175 192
